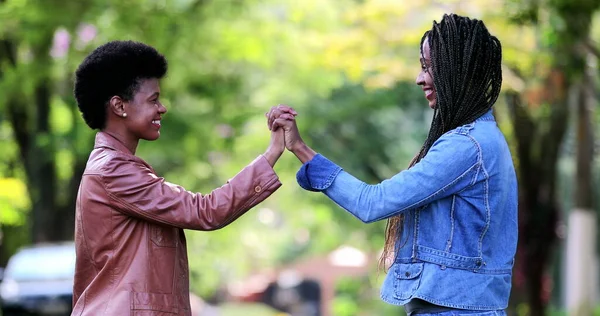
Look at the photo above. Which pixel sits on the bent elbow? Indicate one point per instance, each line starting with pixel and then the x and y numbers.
pixel 369 220
pixel 209 222
pixel 366 216
pixel 376 213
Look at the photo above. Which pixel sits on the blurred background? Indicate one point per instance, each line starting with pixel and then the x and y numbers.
pixel 349 68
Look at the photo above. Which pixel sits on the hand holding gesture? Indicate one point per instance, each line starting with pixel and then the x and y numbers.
pixel 284 117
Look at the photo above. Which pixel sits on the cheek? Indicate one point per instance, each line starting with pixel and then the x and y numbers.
pixel 429 79
pixel 140 117
pixel 142 111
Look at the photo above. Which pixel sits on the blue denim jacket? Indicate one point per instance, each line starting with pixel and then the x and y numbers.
pixel 459 203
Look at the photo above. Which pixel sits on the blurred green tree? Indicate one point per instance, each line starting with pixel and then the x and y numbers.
pixel 539 113
pixel 347 66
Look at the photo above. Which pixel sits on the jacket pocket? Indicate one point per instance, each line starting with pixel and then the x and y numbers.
pixel 408 279
pixel 163 236
pixel 151 304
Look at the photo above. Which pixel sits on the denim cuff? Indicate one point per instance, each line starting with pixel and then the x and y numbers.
pixel 317 174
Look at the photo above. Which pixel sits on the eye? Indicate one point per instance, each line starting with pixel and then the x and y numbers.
pixel 424 66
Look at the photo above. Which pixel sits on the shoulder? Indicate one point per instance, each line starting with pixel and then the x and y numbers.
pixel 459 142
pixel 487 135
pixel 108 162
pixel 477 135
pixel 454 150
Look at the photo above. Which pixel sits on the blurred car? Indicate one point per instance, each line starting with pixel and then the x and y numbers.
pixel 38 280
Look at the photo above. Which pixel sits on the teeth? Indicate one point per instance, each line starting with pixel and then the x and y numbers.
pixel 156 122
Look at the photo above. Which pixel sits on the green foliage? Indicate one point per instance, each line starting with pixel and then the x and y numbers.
pixel 347 66
pixel 13 201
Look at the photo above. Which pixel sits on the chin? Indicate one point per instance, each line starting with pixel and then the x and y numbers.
pixel 152 137
pixel 432 105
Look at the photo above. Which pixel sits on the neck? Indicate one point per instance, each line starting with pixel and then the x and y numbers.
pixel 129 141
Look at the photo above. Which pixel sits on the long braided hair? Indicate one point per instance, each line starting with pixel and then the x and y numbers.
pixel 467 76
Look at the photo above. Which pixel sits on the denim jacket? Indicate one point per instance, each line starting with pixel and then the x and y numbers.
pixel 459 202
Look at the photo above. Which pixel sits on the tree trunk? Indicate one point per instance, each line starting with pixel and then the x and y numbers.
pixel 538 144
pixel 41 162
pixel 582 263
pixel 29 116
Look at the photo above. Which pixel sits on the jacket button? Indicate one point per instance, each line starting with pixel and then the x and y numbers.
pixel 478 262
pixel 257 189
pixel 407 274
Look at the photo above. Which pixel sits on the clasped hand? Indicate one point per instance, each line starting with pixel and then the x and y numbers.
pixel 284 117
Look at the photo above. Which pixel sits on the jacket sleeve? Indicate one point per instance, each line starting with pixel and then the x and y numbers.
pixel 452 164
pixel 137 191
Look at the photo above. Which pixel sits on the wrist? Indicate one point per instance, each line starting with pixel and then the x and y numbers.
pixel 272 156
pixel 303 152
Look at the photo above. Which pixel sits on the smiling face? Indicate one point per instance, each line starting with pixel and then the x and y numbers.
pixel 144 111
pixel 425 77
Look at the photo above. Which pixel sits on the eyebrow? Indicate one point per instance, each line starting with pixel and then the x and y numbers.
pixel 157 94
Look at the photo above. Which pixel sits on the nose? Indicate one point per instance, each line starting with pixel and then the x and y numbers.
pixel 161 108
pixel 420 79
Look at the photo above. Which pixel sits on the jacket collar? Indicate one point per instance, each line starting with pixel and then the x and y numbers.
pixel 108 141
pixel 488 116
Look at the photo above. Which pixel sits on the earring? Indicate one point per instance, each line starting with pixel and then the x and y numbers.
pixel 124 114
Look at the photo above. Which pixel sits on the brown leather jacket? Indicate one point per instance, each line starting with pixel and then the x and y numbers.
pixel 131 249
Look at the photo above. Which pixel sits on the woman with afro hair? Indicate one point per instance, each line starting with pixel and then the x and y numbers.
pixel 130 244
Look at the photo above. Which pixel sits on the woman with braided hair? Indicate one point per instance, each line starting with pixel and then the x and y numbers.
pixel 452 215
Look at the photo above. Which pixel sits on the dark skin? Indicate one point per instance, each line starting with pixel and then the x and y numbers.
pixel 140 118
pixel 425 77
pixel 284 117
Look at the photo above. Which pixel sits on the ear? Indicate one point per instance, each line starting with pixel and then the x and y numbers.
pixel 117 106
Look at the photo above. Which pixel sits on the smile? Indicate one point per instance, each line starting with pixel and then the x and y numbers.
pixel 428 92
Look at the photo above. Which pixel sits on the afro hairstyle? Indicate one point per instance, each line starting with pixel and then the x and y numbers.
pixel 114 69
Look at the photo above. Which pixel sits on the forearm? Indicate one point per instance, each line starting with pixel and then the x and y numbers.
pixel 140 193
pixel 369 203
pixel 276 147
pixel 272 156
pixel 436 176
pixel 303 152
pixel 245 190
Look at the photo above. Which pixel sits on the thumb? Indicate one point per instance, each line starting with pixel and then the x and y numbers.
pixel 283 123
